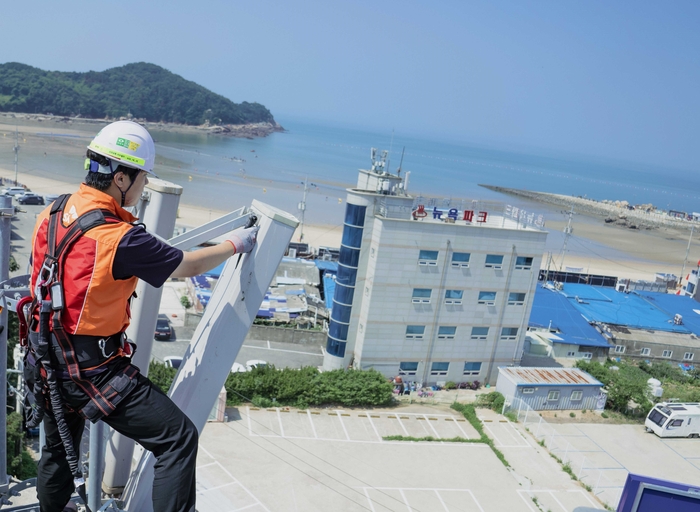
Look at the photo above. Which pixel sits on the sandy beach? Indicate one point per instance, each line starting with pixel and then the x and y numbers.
pixel 594 246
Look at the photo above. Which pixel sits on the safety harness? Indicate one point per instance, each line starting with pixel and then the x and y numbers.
pixel 53 354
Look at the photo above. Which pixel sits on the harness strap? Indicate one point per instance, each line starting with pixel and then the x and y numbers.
pixel 73 368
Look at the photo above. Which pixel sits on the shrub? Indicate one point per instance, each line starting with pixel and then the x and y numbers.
pixel 308 387
pixel 583 411
pixel 604 415
pixel 19 463
pixel 572 414
pixel 493 400
pixel 161 375
pixel 450 385
pixel 185 301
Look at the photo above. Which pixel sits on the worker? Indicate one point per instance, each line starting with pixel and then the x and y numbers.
pixel 89 353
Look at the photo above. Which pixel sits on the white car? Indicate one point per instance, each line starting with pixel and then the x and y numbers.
pixel 13 191
pixel 255 363
pixel 238 368
pixel 173 361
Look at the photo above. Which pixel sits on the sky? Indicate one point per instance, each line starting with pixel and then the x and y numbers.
pixel 615 80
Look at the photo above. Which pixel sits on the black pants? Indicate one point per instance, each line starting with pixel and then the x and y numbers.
pixel 148 417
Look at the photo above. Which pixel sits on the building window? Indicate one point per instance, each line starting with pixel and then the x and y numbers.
pixel 352 237
pixel 667 353
pixel 421 295
pixel 428 258
pixel 460 259
pixel 688 356
pixel 619 349
pixel 408 368
pixel 453 297
pixel 488 298
pixel 415 332
pixel 576 396
pixel 446 332
pixel 472 368
pixel 355 215
pixel 553 395
pixel 494 261
pixel 587 355
pixel 646 351
pixel 516 299
pixel 439 368
pixel 570 354
pixel 528 391
pixel 523 263
pixel 479 333
pixel 509 333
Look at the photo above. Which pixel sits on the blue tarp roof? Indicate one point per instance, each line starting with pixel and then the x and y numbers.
pixel 216 271
pixel 677 304
pixel 328 290
pixel 327 266
pixel 550 306
pixel 633 310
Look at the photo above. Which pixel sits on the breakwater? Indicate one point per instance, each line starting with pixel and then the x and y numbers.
pixel 619 213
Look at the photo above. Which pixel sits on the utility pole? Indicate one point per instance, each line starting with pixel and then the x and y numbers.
pixel 687 251
pixel 567 233
pixel 16 150
pixel 302 208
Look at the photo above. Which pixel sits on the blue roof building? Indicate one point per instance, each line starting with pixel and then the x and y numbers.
pixel 647 325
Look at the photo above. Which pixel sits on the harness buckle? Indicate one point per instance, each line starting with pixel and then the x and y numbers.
pixel 43 282
pixel 101 343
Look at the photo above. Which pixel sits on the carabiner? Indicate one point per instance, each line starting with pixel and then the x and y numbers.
pixel 101 343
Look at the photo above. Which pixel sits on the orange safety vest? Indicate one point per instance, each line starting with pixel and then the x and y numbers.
pixel 95 303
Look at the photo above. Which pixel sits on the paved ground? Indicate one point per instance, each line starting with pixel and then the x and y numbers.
pixel 321 460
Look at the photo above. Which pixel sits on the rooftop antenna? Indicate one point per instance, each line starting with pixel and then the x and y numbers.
pixel 398 171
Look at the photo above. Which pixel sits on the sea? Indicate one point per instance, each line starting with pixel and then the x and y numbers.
pixel 223 173
pixel 328 156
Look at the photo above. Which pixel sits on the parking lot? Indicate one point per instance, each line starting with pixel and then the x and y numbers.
pixel 318 460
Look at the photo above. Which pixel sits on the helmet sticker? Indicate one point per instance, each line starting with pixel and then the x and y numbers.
pixel 126 143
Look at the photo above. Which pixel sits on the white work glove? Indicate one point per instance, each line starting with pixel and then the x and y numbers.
pixel 244 239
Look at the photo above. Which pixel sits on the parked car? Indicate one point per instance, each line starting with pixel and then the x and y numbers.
pixel 255 363
pixel 13 191
pixel 50 198
pixel 30 198
pixel 164 330
pixel 172 361
pixel 238 368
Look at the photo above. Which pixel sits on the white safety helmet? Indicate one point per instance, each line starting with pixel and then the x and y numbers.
pixel 127 143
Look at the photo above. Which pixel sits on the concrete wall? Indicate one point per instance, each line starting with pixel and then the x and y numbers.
pixel 267 333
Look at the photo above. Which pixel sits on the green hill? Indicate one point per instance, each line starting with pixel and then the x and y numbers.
pixel 145 91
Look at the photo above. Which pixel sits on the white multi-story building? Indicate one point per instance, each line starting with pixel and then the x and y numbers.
pixel 433 292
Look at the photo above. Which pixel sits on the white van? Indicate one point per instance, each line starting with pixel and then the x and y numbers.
pixel 674 419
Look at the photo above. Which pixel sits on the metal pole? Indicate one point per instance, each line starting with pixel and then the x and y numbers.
pixel 16 150
pixel 219 336
pixel 687 251
pixel 158 210
pixel 5 230
pixel 96 465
